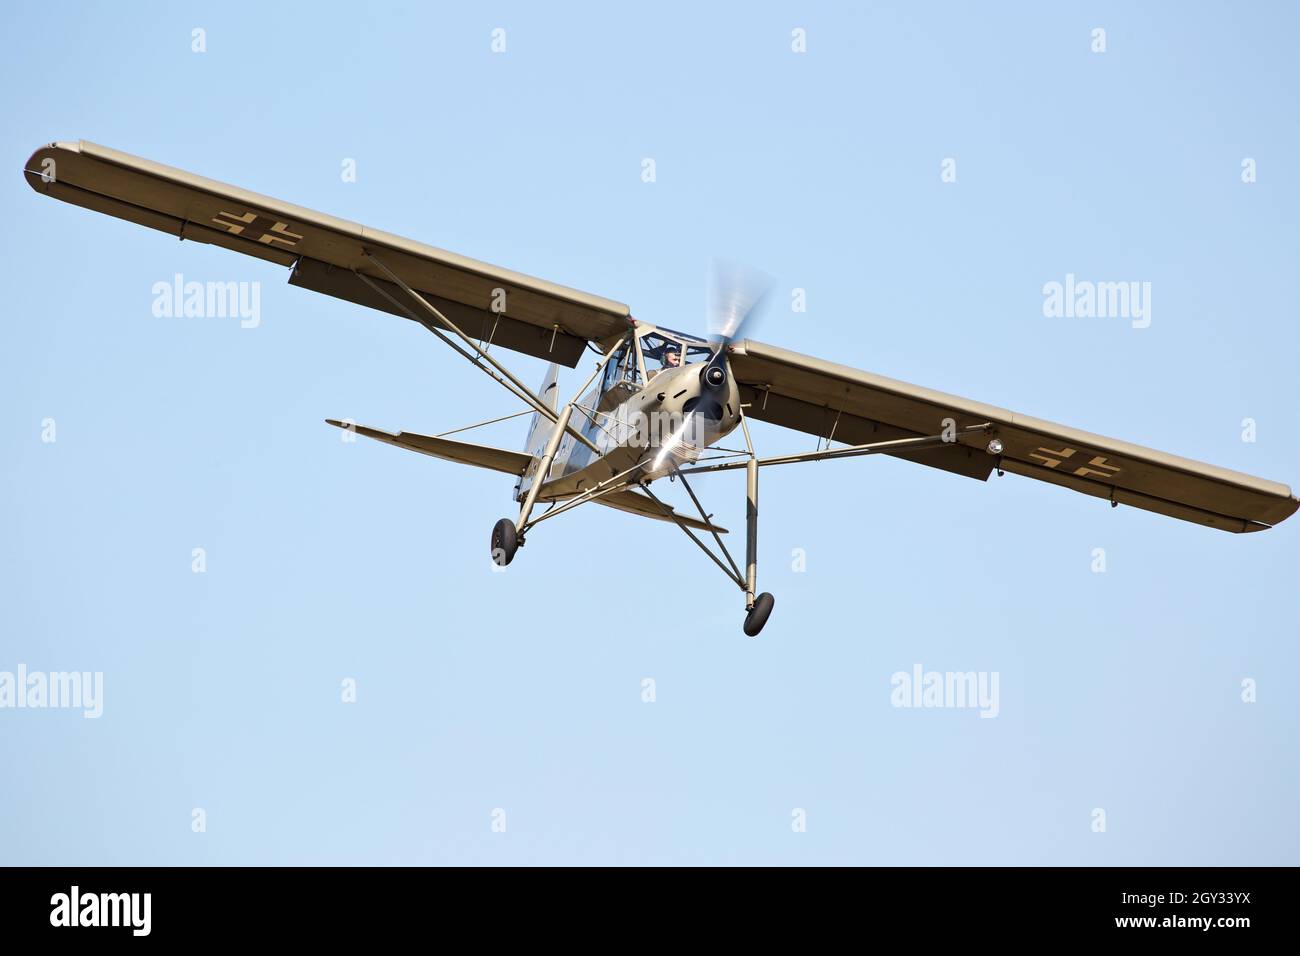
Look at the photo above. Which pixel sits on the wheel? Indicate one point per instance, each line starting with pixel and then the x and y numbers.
pixel 758 614
pixel 505 542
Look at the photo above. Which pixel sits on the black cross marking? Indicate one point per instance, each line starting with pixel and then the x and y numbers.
pixel 257 228
pixel 1086 465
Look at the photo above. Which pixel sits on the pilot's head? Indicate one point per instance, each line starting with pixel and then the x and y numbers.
pixel 672 356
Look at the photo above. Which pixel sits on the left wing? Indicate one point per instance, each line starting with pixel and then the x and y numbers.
pixel 856 407
pixel 328 254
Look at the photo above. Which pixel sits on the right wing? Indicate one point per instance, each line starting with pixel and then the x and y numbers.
pixel 856 407
pixel 328 254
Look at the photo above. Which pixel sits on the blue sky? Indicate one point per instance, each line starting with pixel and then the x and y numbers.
pixel 522 691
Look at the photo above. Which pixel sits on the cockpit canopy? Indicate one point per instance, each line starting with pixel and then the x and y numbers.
pixel 653 350
pixel 662 350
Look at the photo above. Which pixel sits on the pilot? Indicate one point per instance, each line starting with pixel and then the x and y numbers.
pixel 671 356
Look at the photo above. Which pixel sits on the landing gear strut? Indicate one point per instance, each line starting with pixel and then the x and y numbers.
pixel 760 607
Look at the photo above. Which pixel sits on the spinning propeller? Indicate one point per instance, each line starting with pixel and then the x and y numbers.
pixel 735 293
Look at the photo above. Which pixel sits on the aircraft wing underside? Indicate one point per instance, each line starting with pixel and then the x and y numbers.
pixel 329 255
pixel 821 398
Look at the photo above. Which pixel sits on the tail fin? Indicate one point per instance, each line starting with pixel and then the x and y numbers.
pixel 538 427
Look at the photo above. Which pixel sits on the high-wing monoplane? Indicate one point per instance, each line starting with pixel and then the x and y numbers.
pixel 659 403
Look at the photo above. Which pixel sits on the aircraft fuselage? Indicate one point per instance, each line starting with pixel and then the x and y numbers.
pixel 668 421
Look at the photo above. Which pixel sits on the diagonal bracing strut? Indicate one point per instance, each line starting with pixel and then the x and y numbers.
pixel 672 515
pixel 503 375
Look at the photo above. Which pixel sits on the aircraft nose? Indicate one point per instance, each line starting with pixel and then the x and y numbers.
pixel 707 401
pixel 714 376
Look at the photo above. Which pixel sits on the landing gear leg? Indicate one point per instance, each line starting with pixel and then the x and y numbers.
pixel 544 466
pixel 758 608
pixel 506 537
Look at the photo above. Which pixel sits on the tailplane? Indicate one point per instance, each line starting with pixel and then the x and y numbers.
pixel 481 456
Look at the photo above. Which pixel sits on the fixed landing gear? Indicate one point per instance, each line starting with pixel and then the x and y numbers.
pixel 505 542
pixel 507 535
pixel 758 614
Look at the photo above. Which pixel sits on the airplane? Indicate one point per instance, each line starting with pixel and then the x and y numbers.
pixel 660 402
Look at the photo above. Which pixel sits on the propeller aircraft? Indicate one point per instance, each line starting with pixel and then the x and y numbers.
pixel 660 402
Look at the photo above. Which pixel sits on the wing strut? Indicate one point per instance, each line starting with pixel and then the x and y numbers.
pixel 676 519
pixel 502 376
pixel 852 451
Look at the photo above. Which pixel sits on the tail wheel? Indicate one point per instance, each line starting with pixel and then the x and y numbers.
pixel 505 542
pixel 759 613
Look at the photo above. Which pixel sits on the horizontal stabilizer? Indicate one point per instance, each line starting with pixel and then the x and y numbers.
pixel 633 502
pixel 481 456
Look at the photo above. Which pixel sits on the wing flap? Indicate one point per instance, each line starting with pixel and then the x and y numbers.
pixel 850 429
pixel 499 330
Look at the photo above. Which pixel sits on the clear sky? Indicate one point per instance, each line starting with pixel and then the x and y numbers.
pixel 522 691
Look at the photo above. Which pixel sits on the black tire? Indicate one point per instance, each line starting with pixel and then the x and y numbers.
pixel 758 614
pixel 505 542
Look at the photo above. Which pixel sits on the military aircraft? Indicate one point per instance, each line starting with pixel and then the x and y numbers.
pixel 659 402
